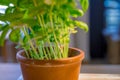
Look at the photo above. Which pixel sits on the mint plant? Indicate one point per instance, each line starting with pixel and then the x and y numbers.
pixel 42 27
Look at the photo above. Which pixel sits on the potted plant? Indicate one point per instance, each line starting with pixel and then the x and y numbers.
pixel 42 28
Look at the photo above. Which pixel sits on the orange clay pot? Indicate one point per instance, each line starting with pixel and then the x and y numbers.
pixel 62 69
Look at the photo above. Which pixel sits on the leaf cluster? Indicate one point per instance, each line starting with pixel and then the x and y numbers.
pixel 35 24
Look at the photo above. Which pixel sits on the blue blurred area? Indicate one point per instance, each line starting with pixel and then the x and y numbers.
pixel 112 19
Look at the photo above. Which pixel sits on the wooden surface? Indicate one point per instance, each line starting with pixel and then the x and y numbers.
pixel 95 77
pixel 99 77
pixel 88 72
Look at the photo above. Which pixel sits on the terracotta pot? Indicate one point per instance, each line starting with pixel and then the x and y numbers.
pixel 62 69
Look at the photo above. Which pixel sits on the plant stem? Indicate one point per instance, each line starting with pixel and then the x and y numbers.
pixel 36 45
pixel 42 24
pixel 24 30
pixel 56 42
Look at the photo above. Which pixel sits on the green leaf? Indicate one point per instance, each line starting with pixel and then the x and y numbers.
pixel 3 36
pixel 15 35
pixel 37 10
pixel 29 21
pixel 60 2
pixel 9 10
pixel 25 3
pixel 18 23
pixel 25 39
pixel 11 16
pixel 81 25
pixel 3 27
pixel 75 13
pixel 7 2
pixel 84 4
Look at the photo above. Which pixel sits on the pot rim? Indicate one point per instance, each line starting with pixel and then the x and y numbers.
pixel 68 60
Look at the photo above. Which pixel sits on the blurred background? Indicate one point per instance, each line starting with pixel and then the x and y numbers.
pixel 101 44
